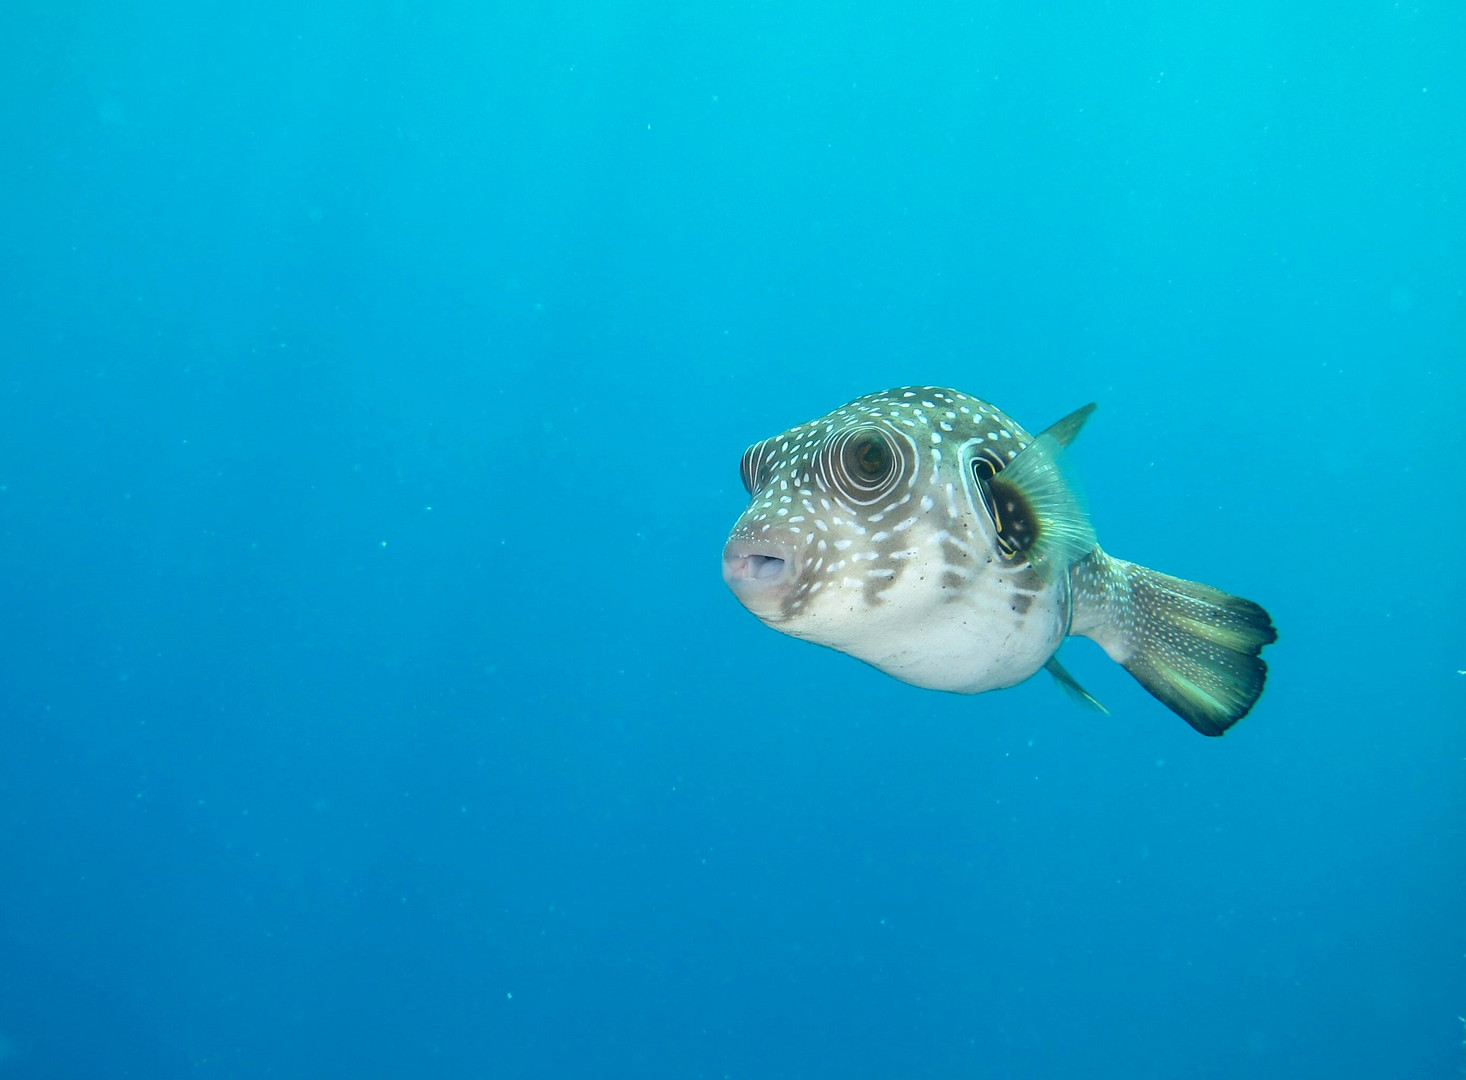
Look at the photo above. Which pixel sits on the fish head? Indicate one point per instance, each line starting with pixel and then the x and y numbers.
pixel 870 530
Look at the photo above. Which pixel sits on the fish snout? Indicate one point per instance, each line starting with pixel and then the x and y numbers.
pixel 757 571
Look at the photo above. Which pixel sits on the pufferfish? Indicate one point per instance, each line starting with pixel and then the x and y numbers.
pixel 928 534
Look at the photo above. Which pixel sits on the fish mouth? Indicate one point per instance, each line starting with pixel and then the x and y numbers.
pixel 756 568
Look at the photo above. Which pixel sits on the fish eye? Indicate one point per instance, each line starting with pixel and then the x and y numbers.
pixel 868 458
pixel 752 468
pixel 863 464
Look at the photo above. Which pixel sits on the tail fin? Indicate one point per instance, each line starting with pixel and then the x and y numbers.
pixel 1194 647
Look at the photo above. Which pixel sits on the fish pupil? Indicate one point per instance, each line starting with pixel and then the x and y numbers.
pixel 872 458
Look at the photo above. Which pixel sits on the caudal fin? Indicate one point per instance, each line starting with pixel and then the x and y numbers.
pixel 1192 646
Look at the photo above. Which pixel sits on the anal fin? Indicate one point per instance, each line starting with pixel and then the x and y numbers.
pixel 1071 685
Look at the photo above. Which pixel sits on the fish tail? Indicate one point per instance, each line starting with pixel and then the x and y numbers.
pixel 1195 648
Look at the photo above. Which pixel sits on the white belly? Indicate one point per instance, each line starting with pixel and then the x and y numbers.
pixel 965 641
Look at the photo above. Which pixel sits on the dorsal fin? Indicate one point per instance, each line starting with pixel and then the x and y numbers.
pixel 1067 429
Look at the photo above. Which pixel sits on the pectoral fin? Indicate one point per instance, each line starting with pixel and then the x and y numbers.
pixel 1038 511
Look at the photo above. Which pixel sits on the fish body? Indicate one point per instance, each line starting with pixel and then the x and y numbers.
pixel 927 533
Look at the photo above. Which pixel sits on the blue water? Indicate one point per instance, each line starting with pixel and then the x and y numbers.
pixel 373 383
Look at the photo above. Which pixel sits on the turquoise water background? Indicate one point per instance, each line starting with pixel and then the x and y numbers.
pixel 373 384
